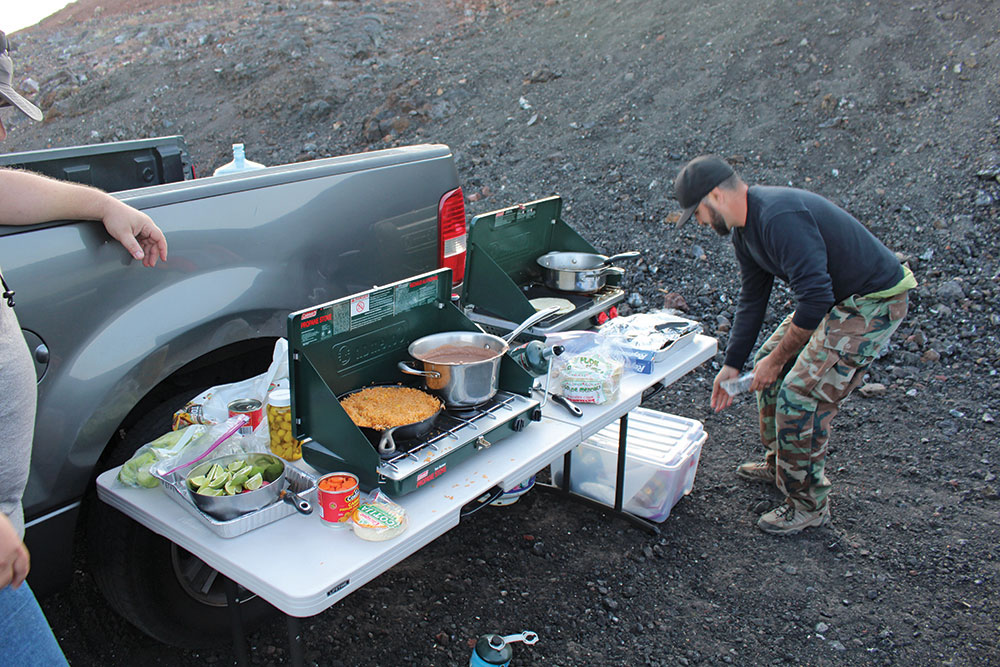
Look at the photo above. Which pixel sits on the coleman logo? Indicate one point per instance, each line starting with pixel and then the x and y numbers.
pixel 418 283
pixel 427 476
pixel 316 320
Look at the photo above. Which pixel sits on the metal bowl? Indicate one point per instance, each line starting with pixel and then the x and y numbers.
pixel 225 508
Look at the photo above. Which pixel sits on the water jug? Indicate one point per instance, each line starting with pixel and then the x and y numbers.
pixel 239 163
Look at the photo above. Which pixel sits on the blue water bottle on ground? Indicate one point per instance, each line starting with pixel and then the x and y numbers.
pixel 493 650
pixel 239 163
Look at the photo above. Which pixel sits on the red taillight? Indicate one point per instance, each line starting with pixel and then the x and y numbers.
pixel 451 221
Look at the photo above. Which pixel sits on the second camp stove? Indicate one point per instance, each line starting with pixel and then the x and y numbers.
pixel 358 341
pixel 502 275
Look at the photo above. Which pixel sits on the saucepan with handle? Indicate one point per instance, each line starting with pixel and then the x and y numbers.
pixel 463 367
pixel 583 272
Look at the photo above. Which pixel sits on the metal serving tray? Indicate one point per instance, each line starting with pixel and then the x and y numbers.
pixel 299 482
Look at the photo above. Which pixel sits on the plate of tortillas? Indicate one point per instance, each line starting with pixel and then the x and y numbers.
pixel 544 302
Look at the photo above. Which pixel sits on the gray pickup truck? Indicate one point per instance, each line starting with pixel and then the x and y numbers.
pixel 118 347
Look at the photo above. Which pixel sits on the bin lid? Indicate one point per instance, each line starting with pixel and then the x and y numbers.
pixel 657 438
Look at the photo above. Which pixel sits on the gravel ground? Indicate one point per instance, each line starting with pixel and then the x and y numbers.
pixel 888 108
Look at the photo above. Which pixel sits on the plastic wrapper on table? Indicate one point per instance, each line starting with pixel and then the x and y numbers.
pixel 379 518
pixel 646 338
pixel 591 375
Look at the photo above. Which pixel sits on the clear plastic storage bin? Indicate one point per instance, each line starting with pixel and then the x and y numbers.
pixel 661 460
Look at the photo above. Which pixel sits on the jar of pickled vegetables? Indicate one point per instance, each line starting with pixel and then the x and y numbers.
pixel 279 423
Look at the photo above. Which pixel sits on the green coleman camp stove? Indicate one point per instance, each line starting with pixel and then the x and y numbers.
pixel 359 341
pixel 503 281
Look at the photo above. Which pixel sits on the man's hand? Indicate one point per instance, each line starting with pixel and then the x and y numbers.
pixel 720 397
pixel 765 372
pixel 14 559
pixel 136 231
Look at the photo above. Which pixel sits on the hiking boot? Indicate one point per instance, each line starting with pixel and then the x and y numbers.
pixel 786 520
pixel 756 472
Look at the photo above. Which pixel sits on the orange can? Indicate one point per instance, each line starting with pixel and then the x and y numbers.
pixel 339 496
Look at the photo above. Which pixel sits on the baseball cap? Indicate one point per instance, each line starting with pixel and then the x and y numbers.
pixel 7 93
pixel 699 177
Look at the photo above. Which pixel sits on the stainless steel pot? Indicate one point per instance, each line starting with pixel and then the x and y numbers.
pixel 583 272
pixel 225 508
pixel 464 383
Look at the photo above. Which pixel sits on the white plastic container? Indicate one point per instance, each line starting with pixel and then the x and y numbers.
pixel 239 163
pixel 660 464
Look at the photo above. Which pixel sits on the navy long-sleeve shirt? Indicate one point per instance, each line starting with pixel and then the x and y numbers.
pixel 818 248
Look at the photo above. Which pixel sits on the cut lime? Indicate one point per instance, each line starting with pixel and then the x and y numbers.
pixel 273 471
pixel 254 483
pixel 198 482
pixel 232 488
pixel 236 465
pixel 219 482
pixel 242 475
pixel 215 471
pixel 209 491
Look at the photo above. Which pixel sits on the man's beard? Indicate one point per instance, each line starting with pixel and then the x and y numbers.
pixel 717 222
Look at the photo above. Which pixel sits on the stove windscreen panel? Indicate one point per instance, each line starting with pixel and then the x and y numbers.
pixel 504 247
pixel 358 341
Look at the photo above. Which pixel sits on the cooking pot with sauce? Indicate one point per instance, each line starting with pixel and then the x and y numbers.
pixel 463 367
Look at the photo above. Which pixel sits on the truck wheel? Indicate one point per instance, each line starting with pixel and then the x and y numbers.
pixel 164 591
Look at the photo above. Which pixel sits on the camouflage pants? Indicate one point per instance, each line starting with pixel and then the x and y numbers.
pixel 796 411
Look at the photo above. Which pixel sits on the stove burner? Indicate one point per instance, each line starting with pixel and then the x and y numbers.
pixel 455 426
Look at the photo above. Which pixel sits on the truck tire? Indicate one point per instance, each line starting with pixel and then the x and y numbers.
pixel 161 589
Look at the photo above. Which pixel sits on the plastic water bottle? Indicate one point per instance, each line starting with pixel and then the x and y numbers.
pixel 239 163
pixel 495 651
pixel 738 385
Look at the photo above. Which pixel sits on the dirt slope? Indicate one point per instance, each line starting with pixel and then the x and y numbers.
pixel 888 108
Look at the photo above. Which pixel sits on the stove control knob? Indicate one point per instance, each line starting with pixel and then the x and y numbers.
pixel 518 424
pixel 613 312
pixel 602 317
pixel 536 415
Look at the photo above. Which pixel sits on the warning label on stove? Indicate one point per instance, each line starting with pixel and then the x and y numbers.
pixel 371 307
pixel 417 293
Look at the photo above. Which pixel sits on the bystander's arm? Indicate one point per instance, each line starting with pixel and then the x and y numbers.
pixel 14 559
pixel 27 198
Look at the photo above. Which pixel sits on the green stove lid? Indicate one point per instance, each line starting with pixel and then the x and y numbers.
pixel 503 247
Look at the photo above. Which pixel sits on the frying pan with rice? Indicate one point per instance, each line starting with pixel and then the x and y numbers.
pixel 391 413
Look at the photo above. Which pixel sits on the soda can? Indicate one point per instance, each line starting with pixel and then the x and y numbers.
pixel 252 408
pixel 339 496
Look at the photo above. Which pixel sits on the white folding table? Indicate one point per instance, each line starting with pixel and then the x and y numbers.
pixel 332 563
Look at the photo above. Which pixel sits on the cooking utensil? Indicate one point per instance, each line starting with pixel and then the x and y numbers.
pixel 466 380
pixel 301 505
pixel 579 271
pixel 227 507
pixel 384 440
pixel 573 408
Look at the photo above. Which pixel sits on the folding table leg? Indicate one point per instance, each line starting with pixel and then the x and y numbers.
pixel 620 476
pixel 295 640
pixel 236 622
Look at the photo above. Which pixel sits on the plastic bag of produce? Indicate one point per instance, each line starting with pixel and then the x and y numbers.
pixel 212 442
pixel 136 471
pixel 212 405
